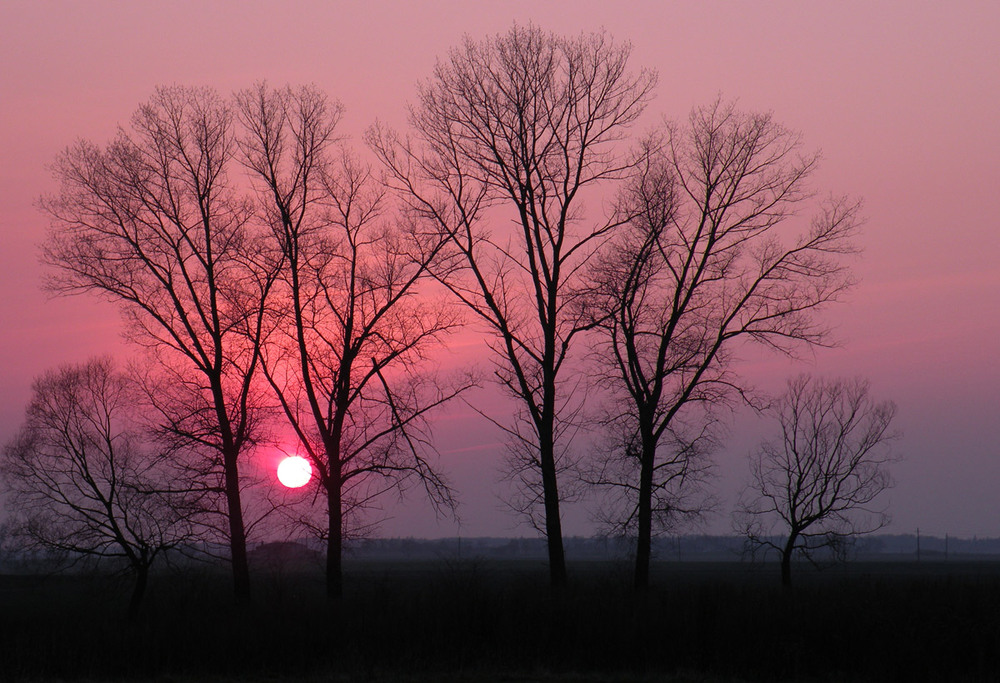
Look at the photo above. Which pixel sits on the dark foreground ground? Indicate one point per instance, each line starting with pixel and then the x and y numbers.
pixel 493 621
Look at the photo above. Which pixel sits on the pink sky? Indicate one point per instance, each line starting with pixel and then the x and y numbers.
pixel 902 97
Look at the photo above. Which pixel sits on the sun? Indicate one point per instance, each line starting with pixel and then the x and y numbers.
pixel 294 471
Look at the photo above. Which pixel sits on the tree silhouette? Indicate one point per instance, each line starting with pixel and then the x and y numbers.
pixel 350 331
pixel 151 223
pixel 81 479
pixel 819 482
pixel 704 265
pixel 522 126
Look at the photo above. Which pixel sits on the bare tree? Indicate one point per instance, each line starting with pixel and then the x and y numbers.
pixel 353 324
pixel 818 484
pixel 706 263
pixel 522 125
pixel 83 482
pixel 151 222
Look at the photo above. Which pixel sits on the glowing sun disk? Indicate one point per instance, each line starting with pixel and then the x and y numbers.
pixel 294 471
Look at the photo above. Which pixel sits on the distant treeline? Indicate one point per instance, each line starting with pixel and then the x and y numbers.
pixel 666 548
pixel 686 548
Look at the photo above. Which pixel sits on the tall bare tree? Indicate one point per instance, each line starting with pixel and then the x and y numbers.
pixel 708 262
pixel 521 126
pixel 354 323
pixel 151 222
pixel 81 479
pixel 818 483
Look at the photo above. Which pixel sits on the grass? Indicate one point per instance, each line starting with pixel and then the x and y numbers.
pixel 493 621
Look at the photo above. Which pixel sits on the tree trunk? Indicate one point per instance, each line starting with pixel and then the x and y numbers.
pixel 786 560
pixel 231 472
pixel 644 542
pixel 237 532
pixel 335 538
pixel 553 523
pixel 138 590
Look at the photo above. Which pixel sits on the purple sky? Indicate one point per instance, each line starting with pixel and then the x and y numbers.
pixel 902 97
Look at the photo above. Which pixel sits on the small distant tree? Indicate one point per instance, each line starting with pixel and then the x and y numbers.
pixel 816 487
pixel 83 482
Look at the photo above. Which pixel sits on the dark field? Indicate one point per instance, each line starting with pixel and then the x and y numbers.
pixel 497 621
